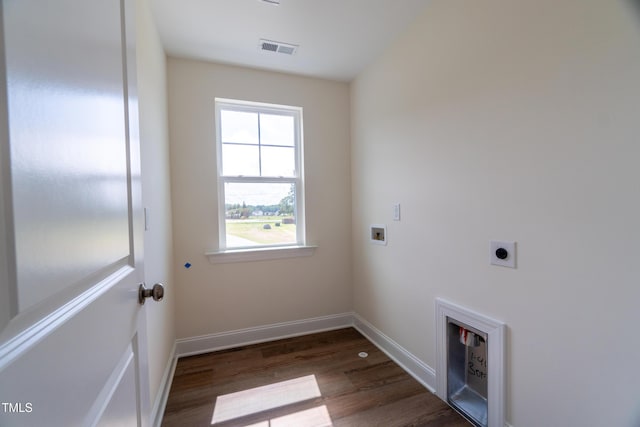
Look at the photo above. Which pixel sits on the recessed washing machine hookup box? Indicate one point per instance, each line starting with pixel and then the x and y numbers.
pixel 467 371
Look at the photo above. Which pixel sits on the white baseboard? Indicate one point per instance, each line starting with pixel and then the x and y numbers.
pixel 241 337
pixel 419 370
pixel 160 403
pixel 422 372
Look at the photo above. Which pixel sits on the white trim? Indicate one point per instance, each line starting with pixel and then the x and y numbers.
pixel 241 337
pixel 419 370
pixel 108 390
pixel 422 372
pixel 259 254
pixel 496 331
pixel 160 404
pixel 297 180
pixel 30 336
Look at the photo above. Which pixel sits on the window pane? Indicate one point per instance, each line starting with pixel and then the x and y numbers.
pixel 278 161
pixel 240 160
pixel 239 127
pixel 277 130
pixel 259 214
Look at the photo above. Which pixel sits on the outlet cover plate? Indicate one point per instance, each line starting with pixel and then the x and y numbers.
pixel 396 212
pixel 510 247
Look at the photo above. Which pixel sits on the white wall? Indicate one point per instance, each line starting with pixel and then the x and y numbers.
pixel 216 298
pixel 156 195
pixel 510 120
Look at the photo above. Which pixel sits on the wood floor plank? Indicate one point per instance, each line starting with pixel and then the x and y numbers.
pixel 345 389
pixel 413 412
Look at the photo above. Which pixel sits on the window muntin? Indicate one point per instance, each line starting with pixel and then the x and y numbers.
pixel 260 190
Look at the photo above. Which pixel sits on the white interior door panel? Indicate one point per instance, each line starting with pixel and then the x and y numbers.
pixel 72 333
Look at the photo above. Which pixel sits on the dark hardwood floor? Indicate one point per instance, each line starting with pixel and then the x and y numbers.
pixel 313 380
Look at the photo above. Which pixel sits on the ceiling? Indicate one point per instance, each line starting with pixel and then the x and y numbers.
pixel 337 38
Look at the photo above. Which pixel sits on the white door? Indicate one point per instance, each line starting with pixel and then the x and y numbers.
pixel 72 334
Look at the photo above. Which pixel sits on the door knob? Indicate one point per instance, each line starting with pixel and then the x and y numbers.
pixel 157 293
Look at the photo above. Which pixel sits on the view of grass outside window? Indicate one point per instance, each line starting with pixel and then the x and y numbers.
pixel 260 214
pixel 259 174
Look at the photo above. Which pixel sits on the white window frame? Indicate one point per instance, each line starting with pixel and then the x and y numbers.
pixel 266 251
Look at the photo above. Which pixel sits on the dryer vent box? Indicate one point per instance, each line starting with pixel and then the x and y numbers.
pixel 378 234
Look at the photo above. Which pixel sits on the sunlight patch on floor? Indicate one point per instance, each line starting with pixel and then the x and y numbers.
pixel 314 417
pixel 259 399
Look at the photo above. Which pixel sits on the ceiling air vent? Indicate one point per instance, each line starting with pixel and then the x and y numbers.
pixel 277 47
pixel 275 2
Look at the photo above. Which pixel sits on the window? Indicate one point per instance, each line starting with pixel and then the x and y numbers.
pixel 260 179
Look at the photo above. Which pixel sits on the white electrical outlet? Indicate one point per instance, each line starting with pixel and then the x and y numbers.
pixel 396 212
pixel 503 253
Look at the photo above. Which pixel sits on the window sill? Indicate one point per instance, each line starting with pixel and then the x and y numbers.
pixel 259 254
